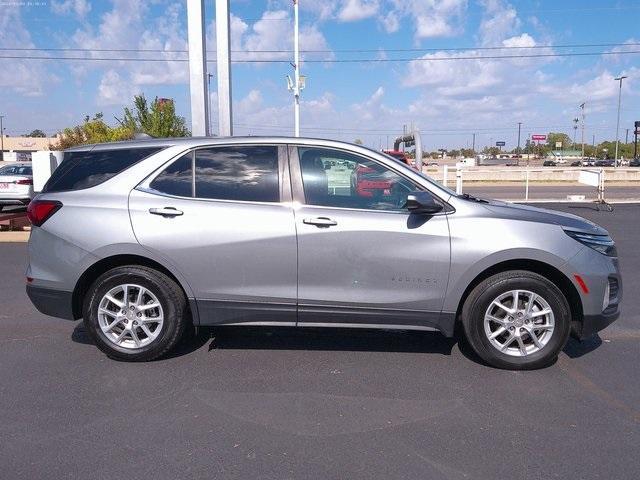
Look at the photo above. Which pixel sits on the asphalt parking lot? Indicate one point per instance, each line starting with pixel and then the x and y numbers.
pixel 318 404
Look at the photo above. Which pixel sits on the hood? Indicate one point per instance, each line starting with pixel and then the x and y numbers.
pixel 542 215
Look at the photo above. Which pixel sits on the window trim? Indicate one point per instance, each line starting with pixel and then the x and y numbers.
pixel 284 185
pixel 298 184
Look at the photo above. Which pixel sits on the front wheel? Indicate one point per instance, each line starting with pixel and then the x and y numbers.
pixel 516 320
pixel 135 313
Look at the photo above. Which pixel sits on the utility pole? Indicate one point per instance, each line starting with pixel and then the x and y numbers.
pixel 1 139
pixel 223 58
pixel 473 145
pixel 619 79
pixel 582 140
pixel 626 137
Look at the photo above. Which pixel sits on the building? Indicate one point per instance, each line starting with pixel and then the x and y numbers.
pixel 20 148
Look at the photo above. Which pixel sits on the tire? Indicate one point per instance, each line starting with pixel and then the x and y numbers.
pixel 482 318
pixel 159 289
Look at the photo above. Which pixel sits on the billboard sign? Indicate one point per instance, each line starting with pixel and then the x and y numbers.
pixel 500 144
pixel 538 138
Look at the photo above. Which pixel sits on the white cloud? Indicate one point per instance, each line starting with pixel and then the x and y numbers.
pixel 25 77
pixel 79 7
pixel 354 10
pixel 432 18
pixel 115 90
pixel 500 20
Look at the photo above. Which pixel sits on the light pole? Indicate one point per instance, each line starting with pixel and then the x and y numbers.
pixel 519 127
pixel 582 140
pixel 209 75
pixel 1 139
pixel 295 86
pixel 619 79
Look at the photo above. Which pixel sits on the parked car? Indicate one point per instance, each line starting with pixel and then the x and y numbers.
pixel 577 163
pixel 549 163
pixel 635 162
pixel 143 238
pixel 16 184
pixel 605 163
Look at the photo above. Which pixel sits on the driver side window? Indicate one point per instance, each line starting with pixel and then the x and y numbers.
pixel 333 178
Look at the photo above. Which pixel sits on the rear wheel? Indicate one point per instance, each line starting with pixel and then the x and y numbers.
pixel 516 320
pixel 135 313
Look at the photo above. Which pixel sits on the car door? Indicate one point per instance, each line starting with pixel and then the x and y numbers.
pixel 222 215
pixel 362 258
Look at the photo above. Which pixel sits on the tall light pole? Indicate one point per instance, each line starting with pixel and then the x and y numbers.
pixel 1 140
pixel 223 67
pixel 582 140
pixel 519 127
pixel 209 75
pixel 296 73
pixel 619 79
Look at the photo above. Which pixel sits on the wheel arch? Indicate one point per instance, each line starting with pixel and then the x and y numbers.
pixel 550 272
pixel 107 263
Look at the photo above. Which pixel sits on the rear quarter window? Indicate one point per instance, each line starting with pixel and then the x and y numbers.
pixel 80 170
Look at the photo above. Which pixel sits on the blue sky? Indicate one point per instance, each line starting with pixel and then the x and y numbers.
pixel 447 99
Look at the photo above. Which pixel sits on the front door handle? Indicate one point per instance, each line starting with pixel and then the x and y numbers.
pixel 166 211
pixel 321 222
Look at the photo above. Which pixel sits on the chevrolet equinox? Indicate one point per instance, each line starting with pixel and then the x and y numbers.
pixel 143 238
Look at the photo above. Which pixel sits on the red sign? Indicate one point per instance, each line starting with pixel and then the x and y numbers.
pixel 538 137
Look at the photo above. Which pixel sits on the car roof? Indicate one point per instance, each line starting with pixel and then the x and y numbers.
pixel 198 141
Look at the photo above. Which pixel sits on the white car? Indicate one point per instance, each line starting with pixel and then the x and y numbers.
pixel 16 184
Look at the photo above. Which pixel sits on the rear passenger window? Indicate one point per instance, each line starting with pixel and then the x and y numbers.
pixel 247 173
pixel 80 170
pixel 177 178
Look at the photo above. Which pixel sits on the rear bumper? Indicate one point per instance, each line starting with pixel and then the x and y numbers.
pixel 56 303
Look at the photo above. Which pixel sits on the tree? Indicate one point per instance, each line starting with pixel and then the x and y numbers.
pixel 554 137
pixel 36 133
pixel 158 120
pixel 357 141
pixel 93 130
pixel 467 153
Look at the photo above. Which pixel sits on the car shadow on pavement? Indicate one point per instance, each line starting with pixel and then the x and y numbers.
pixel 191 341
pixel 355 339
pixel 577 348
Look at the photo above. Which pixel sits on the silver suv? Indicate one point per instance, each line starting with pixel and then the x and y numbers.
pixel 142 239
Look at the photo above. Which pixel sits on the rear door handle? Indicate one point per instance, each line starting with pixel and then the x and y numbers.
pixel 166 211
pixel 322 222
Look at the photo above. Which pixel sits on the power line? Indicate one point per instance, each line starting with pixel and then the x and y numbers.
pixel 347 50
pixel 351 60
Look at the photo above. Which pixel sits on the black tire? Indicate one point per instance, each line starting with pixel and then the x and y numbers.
pixel 170 296
pixel 481 297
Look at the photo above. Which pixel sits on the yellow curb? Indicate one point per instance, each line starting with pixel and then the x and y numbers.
pixel 14 237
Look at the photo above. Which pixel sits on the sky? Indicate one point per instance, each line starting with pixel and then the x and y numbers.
pixel 442 81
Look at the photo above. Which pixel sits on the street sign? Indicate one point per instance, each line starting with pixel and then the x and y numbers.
pixel 589 177
pixel 500 144
pixel 541 138
pixel 558 144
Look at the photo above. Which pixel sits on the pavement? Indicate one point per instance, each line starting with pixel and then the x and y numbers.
pixel 244 403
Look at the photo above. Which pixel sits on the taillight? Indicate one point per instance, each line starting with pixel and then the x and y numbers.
pixel 39 211
pixel 24 181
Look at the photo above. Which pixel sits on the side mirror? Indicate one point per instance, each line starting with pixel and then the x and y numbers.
pixel 422 203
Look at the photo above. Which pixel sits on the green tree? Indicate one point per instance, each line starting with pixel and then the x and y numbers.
pixel 553 137
pixel 36 133
pixel 93 130
pixel 467 153
pixel 158 120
